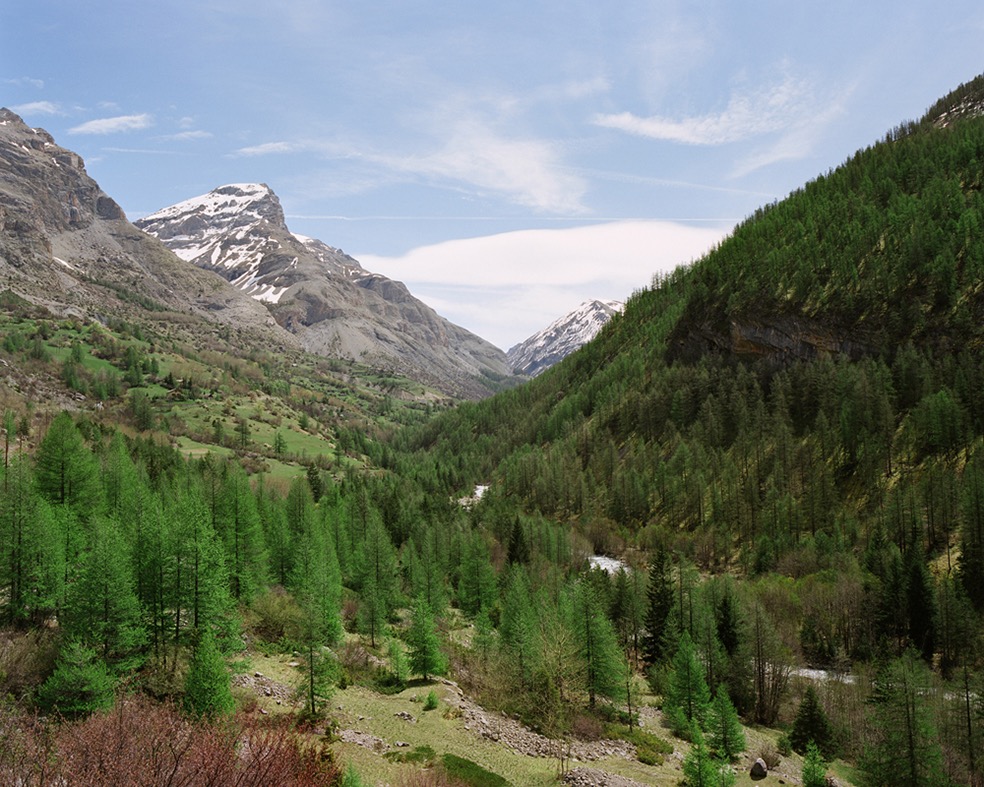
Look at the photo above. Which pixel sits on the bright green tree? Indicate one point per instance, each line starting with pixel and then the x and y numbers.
pixel 102 609
pixel 687 696
pixel 424 647
pixel 81 683
pixel 604 662
pixel 700 768
pixel 207 686
pixel 906 748
pixel 724 732
pixel 814 767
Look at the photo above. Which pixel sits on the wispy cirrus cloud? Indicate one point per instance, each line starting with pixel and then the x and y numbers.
pixel 114 125
pixel 748 114
pixel 26 81
pixel 470 154
pixel 37 108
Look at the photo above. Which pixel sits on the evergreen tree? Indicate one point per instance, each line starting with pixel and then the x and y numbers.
pixel 81 683
pixel 687 696
pixel 604 663
pixel 811 725
pixel 519 548
pixel 207 686
pixel 724 732
pixel 814 767
pixel 906 750
pixel 921 606
pixel 659 597
pixel 424 647
pixel 102 609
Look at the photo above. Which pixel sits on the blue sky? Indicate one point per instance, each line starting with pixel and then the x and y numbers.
pixel 506 160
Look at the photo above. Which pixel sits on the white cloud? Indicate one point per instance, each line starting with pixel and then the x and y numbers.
pixel 114 125
pixel 37 108
pixel 747 115
pixel 506 287
pixel 185 136
pixel 528 171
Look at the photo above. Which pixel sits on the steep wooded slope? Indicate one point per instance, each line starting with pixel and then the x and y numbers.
pixel 818 373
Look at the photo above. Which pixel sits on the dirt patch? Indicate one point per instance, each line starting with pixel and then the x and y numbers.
pixel 263 686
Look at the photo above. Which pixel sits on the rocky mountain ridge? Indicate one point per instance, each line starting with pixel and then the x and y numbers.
pixel 321 295
pixel 67 246
pixel 562 337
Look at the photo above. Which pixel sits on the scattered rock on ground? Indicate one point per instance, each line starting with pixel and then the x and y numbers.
pixel 522 740
pixel 589 777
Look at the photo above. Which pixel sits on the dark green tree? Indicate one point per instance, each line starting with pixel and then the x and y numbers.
pixel 660 599
pixel 811 725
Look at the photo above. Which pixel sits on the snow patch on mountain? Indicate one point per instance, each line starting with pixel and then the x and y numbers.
pixel 562 337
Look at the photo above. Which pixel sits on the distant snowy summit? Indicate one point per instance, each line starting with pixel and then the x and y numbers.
pixel 562 337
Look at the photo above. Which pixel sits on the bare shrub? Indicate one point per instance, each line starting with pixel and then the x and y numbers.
pixel 26 660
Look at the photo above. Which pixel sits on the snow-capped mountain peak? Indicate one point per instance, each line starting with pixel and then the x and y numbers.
pixel 321 295
pixel 562 337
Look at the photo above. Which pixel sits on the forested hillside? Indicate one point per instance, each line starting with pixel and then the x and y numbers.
pixel 801 409
pixel 782 443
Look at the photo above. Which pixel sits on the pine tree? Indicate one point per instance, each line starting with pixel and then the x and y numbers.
pixel 811 725
pixel 659 596
pixel 207 686
pixel 724 732
pixel 423 645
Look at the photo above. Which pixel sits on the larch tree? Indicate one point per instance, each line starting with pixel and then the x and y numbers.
pixel 423 645
pixel 687 696
pixel 604 662
pixel 906 748
pixel 724 732
pixel 208 693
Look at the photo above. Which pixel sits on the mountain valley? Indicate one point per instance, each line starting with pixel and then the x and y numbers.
pixel 234 485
